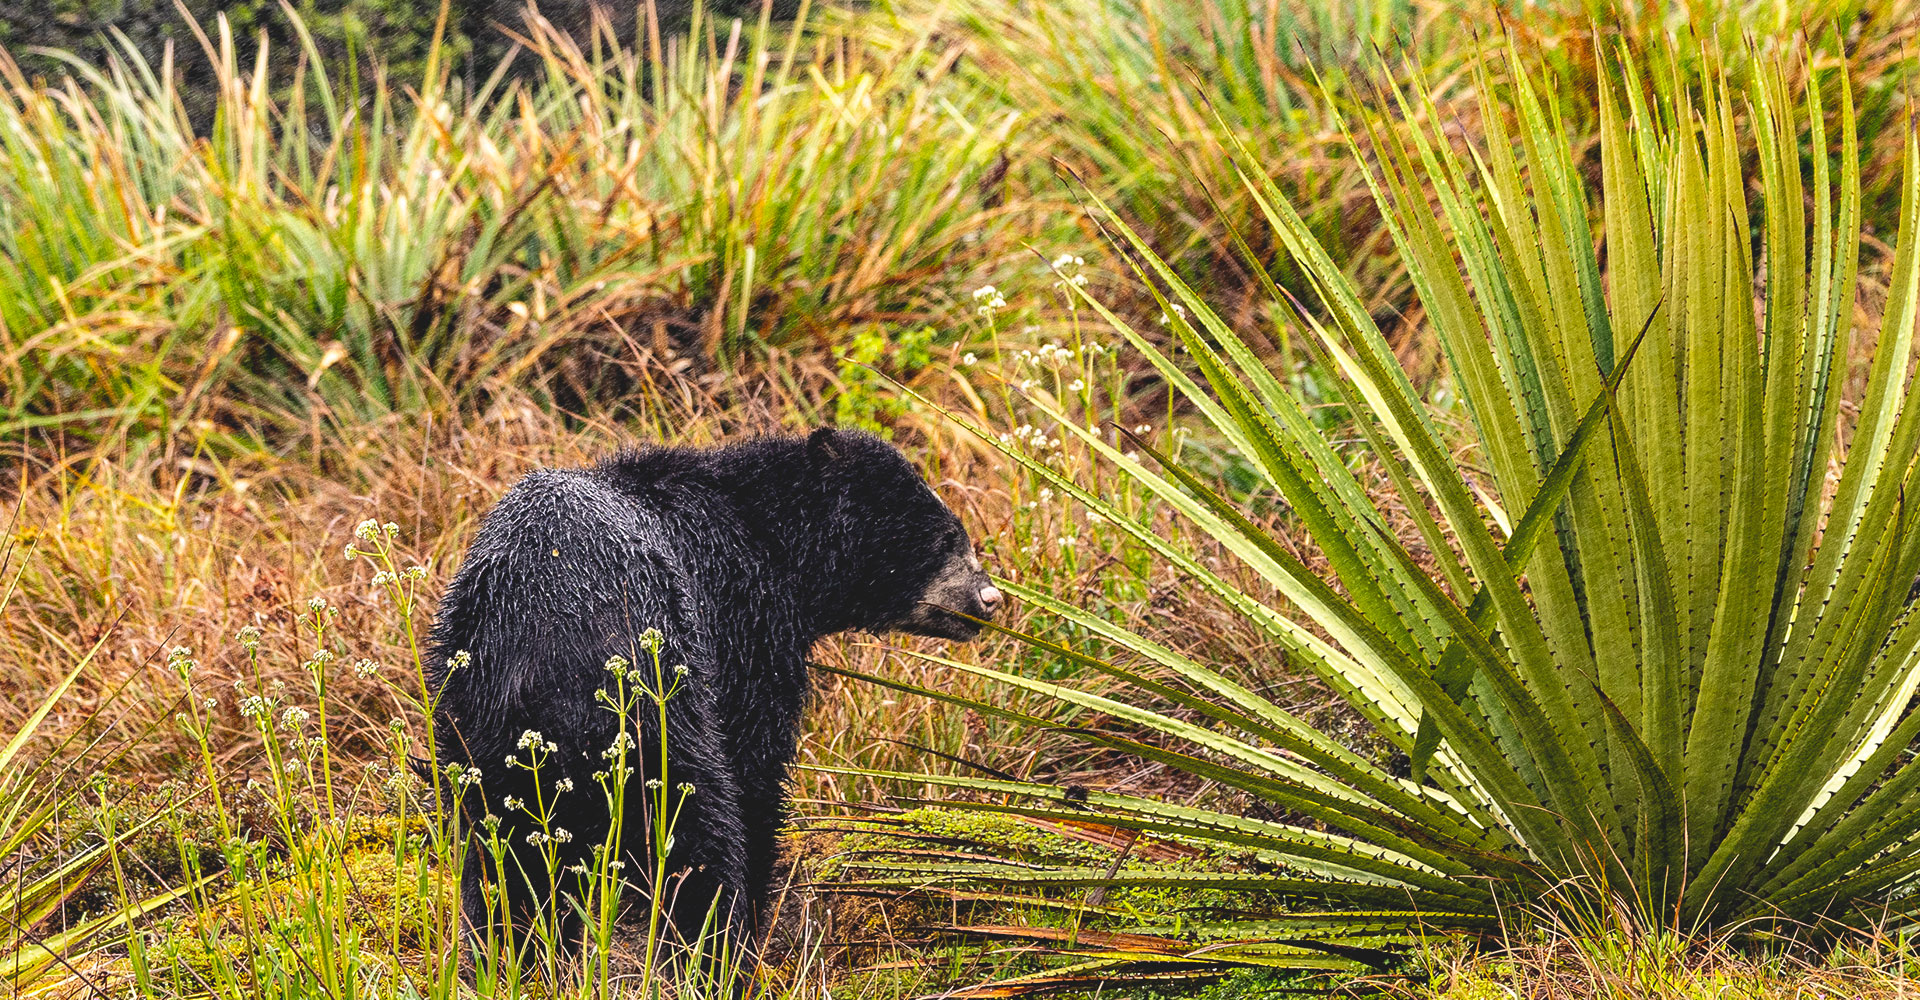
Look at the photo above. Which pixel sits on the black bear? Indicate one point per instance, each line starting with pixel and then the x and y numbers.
pixel 735 561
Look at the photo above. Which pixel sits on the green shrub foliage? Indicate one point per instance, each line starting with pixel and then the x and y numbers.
pixel 1652 649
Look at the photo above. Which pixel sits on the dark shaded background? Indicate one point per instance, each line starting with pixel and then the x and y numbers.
pixel 395 32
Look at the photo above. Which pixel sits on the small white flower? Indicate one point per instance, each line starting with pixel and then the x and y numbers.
pixel 969 360
pixel 512 803
pixel 984 292
pixel 366 668
pixel 1068 541
pixel 563 786
pixel 1077 386
pixel 294 718
pixel 367 530
pixel 392 529
pixel 562 835
pixel 531 738
pixel 460 660
pixel 316 604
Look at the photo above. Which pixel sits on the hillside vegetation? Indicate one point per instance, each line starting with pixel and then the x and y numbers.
pixel 1321 375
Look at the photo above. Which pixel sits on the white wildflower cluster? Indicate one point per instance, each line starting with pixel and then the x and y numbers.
pixel 969 359
pixel 294 717
pixel 180 659
pixel 366 668
pixel 513 804
pixel 1032 437
pixel 989 299
pixel 462 777
pixel 1054 354
pixel 622 743
pixel 1066 263
pixel 686 787
pixel 617 666
pixel 651 640
pixel 412 574
pixel 681 670
pixel 1067 542
pixel 532 740
pixel 460 660
pixel 249 637
pixel 367 530
pixel 563 786
pixel 258 708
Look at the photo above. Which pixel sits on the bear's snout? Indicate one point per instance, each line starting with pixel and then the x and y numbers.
pixel 951 604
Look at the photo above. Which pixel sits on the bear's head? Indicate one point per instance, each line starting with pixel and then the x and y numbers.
pixel 904 558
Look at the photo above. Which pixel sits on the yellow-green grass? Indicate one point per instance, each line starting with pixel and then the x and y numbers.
pixel 148 552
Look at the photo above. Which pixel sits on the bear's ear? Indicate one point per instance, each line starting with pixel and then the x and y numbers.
pixel 824 444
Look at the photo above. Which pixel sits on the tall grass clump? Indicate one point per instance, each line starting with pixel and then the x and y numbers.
pixel 1145 103
pixel 342 248
pixel 1646 648
pixel 59 831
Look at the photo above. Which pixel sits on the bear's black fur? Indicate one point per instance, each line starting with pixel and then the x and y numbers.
pixel 742 557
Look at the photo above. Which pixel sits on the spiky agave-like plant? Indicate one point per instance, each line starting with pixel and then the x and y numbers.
pixel 1667 655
